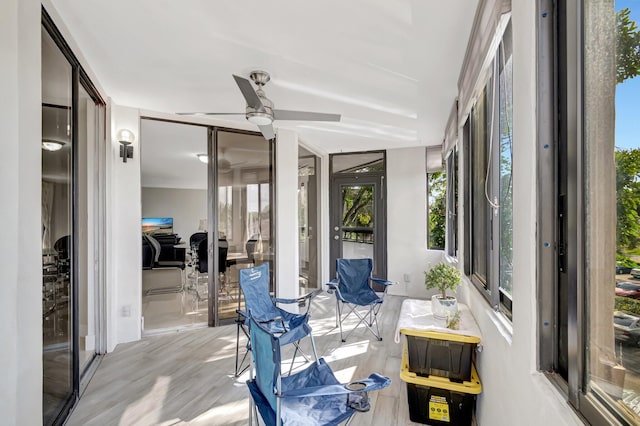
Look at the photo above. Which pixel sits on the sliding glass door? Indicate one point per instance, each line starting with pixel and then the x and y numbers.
pixel 57 223
pixel 72 207
pixel 244 179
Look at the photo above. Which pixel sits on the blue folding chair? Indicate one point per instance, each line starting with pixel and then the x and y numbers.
pixel 290 327
pixel 312 396
pixel 353 290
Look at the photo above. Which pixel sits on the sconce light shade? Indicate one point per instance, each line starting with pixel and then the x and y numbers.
pixel 52 145
pixel 126 135
pixel 203 157
pixel 126 138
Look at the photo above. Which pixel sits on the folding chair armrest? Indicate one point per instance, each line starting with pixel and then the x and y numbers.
pixel 242 314
pixel 282 300
pixel 333 285
pixel 299 299
pixel 374 382
pixel 383 282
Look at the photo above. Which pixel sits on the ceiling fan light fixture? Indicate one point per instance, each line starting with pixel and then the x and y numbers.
pixel 203 158
pixel 52 145
pixel 260 118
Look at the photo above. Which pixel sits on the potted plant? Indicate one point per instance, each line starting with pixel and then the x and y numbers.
pixel 443 277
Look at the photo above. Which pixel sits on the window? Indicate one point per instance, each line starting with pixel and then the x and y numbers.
pixel 487 142
pixel 596 199
pixel 436 193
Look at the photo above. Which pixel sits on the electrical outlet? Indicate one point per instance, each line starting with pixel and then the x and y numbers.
pixel 126 310
pixel 407 278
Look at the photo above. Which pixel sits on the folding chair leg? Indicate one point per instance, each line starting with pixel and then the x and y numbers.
pixel 313 347
pixel 239 370
pixel 278 411
pixel 340 320
pixel 368 320
pixel 237 347
pixel 293 360
pixel 251 410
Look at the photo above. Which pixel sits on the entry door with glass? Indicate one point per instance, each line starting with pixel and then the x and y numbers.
pixel 358 225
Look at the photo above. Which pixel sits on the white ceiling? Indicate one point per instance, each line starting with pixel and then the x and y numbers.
pixel 389 67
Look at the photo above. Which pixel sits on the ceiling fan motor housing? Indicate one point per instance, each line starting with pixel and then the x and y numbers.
pixel 260 77
pixel 263 116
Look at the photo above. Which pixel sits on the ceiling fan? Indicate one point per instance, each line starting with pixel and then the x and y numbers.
pixel 260 109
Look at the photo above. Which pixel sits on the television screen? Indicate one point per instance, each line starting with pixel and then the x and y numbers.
pixel 157 225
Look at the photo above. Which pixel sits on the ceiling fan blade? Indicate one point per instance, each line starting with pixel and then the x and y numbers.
pixel 249 94
pixel 283 114
pixel 211 113
pixel 267 131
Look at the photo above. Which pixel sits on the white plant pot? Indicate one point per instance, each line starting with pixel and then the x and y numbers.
pixel 443 308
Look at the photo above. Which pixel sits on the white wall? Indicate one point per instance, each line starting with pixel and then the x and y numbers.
pixel 407 223
pixel 124 282
pixel 20 251
pixel 186 206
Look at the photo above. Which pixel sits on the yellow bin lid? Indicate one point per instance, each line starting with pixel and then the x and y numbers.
pixel 473 386
pixel 440 335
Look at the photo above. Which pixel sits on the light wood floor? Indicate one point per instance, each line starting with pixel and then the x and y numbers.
pixel 187 378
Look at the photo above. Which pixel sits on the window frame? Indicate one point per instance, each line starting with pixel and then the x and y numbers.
pixel 487 254
pixel 429 207
pixel 564 229
pixel 451 170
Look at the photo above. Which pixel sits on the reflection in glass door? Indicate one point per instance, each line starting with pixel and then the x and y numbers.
pixel 57 238
pixel 358 209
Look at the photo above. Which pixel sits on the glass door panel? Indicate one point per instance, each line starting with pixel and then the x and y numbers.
pixel 57 235
pixel 88 260
pixel 357 221
pixel 244 193
pixel 358 206
pixel 308 203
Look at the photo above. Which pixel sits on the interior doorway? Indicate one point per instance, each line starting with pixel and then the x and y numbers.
pixel 173 166
pixel 358 209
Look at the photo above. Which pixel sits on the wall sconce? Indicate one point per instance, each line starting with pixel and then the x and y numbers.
pixel 126 138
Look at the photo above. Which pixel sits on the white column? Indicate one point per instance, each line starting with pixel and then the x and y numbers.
pixel 21 248
pixel 286 215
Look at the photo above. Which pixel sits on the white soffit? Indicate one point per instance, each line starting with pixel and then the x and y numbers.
pixel 390 68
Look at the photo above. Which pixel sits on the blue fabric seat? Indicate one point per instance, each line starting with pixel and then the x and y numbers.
pixel 355 295
pixel 259 304
pixel 312 396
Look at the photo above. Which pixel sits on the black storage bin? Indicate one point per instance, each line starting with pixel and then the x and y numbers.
pixel 436 400
pixel 435 406
pixel 441 356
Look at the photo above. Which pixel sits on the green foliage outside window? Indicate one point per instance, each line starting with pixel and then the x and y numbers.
pixel 437 209
pixel 358 205
pixel 627 47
